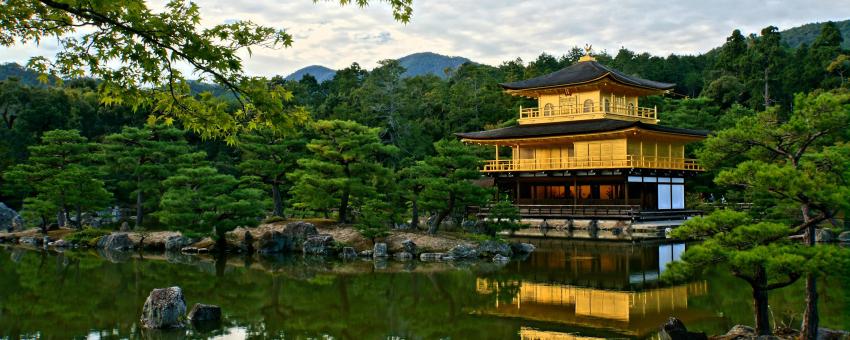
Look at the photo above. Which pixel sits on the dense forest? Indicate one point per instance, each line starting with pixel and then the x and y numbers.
pixel 374 141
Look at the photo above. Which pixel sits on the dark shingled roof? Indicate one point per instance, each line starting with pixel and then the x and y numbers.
pixel 582 72
pixel 574 128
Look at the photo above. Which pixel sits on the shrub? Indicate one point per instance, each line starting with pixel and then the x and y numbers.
pixel 86 236
pixel 503 216
pixel 273 219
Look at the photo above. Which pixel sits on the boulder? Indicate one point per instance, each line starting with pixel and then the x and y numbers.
pixel 189 250
pixel 115 242
pixel 380 250
pixel 247 243
pixel 740 331
pixel 205 313
pixel 431 256
pixel 674 329
pixel 176 242
pixel 10 220
pixel 348 253
pixel 448 257
pixel 296 233
pixel 499 258
pixel 463 251
pixel 125 227
pixel 319 245
pixel 164 308
pixel 60 244
pixel 490 248
pixel 366 253
pixel 824 235
pixel 519 248
pixel 403 256
pixel 271 242
pixel 829 334
pixel 31 241
pixel 844 237
pixel 409 246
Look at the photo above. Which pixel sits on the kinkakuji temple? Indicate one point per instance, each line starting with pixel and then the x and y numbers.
pixel 589 157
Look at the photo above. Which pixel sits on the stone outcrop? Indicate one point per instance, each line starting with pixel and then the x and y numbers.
pixel 271 242
pixel 115 242
pixel 674 329
pixel 491 248
pixel 740 331
pixel 10 220
pixel 319 245
pixel 202 313
pixel 463 251
pixel 176 242
pixel 348 253
pixel 296 233
pixel 431 256
pixel 409 246
pixel 380 250
pixel 519 248
pixel 498 258
pixel 164 308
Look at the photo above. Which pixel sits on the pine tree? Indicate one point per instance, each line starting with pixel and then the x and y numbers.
pixel 202 200
pixel 61 170
pixel 344 167
pixel 139 159
pixel 450 184
pixel 270 157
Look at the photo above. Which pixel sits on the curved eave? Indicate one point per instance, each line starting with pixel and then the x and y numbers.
pixel 530 91
pixel 691 137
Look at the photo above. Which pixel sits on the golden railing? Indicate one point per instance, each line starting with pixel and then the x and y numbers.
pixel 541 164
pixel 587 112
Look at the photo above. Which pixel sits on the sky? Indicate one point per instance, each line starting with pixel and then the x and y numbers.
pixel 490 31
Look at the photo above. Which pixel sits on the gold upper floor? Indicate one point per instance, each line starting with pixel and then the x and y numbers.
pixel 562 107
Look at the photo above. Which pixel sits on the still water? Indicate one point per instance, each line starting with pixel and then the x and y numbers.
pixel 565 290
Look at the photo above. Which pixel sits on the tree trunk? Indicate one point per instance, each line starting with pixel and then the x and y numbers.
pixel 766 89
pixel 278 202
pixel 760 303
pixel 60 218
pixel 414 213
pixel 343 201
pixel 79 217
pixel 810 315
pixel 435 226
pixel 139 210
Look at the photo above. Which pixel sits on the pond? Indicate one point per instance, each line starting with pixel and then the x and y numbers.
pixel 565 290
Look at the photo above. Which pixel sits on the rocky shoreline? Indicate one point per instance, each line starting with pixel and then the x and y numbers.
pixel 285 238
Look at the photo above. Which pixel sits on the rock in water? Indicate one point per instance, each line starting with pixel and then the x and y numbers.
pixel 491 248
pixel 10 220
pixel 674 329
pixel 319 245
pixel 296 233
pixel 348 253
pixel 176 242
pixel 403 256
pixel 205 313
pixel 431 256
pixel 463 251
pixel 501 259
pixel 115 242
pixel 366 253
pixel 164 308
pixel 409 247
pixel 271 242
pixel 125 227
pixel 522 248
pixel 379 250
pixel 844 237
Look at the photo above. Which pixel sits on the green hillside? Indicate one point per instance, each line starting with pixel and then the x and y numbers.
pixel 807 33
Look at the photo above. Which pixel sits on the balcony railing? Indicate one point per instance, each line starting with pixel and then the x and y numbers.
pixel 577 112
pixel 542 164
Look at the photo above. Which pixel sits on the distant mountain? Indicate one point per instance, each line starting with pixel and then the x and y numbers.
pixel 319 72
pixel 14 70
pixel 416 64
pixel 430 63
pixel 807 33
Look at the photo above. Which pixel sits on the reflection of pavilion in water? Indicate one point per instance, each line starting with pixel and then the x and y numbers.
pixel 592 285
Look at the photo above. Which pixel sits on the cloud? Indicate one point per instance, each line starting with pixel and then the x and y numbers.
pixel 492 31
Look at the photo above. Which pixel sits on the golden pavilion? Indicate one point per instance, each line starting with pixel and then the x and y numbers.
pixel 589 150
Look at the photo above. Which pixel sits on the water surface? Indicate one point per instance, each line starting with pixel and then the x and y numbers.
pixel 566 289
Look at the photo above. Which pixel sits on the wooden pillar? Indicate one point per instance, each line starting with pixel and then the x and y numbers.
pixel 517 190
pixel 626 190
pixel 575 186
pixel 497 153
